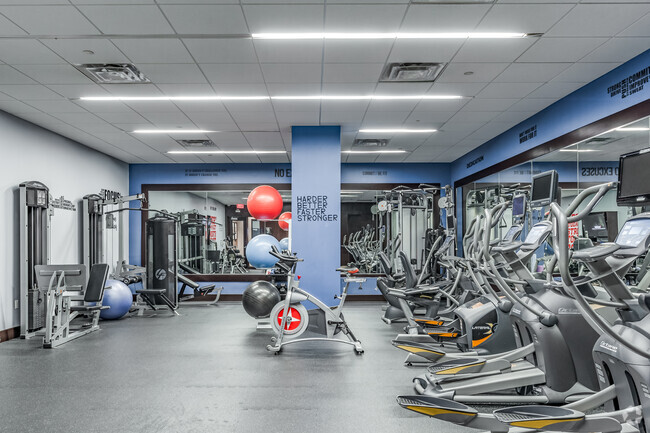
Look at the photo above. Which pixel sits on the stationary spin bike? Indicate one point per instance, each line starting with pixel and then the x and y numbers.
pixel 289 318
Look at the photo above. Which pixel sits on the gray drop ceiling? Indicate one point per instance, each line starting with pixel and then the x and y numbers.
pixel 179 45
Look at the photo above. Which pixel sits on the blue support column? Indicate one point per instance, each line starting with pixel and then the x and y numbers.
pixel 316 208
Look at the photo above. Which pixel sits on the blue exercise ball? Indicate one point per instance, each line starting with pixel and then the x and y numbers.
pixel 257 251
pixel 284 243
pixel 117 295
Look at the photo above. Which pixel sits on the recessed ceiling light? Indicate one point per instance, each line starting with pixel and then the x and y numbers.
pixel 373 151
pixel 173 98
pixel 226 152
pixel 399 131
pixel 577 150
pixel 449 35
pixel 257 98
pixel 171 131
pixel 632 129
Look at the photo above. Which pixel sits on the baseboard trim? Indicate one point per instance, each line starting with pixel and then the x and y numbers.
pixel 9 334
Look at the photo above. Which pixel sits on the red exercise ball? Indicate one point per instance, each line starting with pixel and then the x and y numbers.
pixel 264 203
pixel 284 218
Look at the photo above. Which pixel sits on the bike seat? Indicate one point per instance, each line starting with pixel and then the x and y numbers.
pixel 348 269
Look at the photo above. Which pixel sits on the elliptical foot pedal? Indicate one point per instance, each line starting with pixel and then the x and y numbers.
pixel 429 322
pixel 549 418
pixel 422 349
pixel 439 408
pixel 456 366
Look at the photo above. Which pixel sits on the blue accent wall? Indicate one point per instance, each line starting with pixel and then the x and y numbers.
pixel 619 89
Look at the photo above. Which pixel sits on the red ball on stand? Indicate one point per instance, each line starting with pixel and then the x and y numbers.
pixel 285 217
pixel 264 203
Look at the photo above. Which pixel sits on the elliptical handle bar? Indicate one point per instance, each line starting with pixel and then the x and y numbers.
pixel 599 190
pixel 561 240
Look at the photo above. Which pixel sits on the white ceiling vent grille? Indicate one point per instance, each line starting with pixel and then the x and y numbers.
pixel 411 72
pixel 196 144
pixel 601 140
pixel 114 73
pixel 370 142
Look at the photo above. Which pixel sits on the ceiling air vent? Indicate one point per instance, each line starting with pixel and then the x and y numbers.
pixel 411 72
pixel 370 142
pixel 194 144
pixel 601 140
pixel 113 73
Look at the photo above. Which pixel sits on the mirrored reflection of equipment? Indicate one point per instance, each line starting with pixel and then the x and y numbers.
pixel 192 245
pixel 600 227
pixel 73 303
pixel 34 250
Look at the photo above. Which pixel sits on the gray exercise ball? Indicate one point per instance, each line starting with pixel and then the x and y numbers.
pixel 259 298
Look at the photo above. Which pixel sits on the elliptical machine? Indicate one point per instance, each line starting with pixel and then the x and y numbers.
pixel 290 318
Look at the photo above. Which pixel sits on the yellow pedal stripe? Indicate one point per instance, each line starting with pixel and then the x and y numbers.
pixel 541 423
pixel 458 369
pixel 433 411
pixel 417 349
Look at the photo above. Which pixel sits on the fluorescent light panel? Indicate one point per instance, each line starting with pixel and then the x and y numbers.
pixel 372 151
pixel 172 131
pixel 632 129
pixel 225 152
pixel 262 98
pixel 448 35
pixel 577 150
pixel 399 131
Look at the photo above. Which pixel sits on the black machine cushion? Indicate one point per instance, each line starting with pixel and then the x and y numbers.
pixel 409 273
pixel 96 283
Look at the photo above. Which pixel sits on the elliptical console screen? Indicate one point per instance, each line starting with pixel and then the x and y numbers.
pixel 544 189
pixel 512 233
pixel 634 232
pixel 536 233
pixel 519 206
pixel 634 179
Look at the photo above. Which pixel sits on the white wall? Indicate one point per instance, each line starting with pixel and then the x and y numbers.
pixel 29 152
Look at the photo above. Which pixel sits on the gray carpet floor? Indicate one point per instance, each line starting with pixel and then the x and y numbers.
pixel 208 370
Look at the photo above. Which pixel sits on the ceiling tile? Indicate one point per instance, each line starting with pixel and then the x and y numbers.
pixel 433 50
pixel 584 72
pixel 480 72
pixel 639 28
pixel 221 50
pixel 253 116
pixel 8 28
pixel 229 139
pixel 279 18
pixel 489 104
pixel 359 51
pixel 250 106
pixel 132 90
pixel 443 18
pixel 441 105
pixel 351 72
pixel 179 73
pixel 598 19
pixel 126 117
pixel 281 106
pixel 462 89
pixel 555 90
pixel 264 140
pixel 560 49
pixel 349 88
pixel 16 107
pixel 73 91
pixel 25 52
pixel 49 20
pixel 474 116
pixel 191 89
pixel 130 20
pixel 384 119
pixel 154 50
pixel 493 50
pixel 293 89
pixel 532 104
pixel 524 18
pixel 72 50
pixel 618 50
pixel 288 51
pixel 364 18
pixel 291 118
pixel 59 106
pixel 9 75
pixel 291 72
pixel 514 117
pixel 383 105
pixel 334 116
pixel 429 117
pixel 531 72
pixel 28 91
pixel 54 74
pixel 344 106
pixel 241 90
pixel 508 90
pixel 175 118
pixel 206 19
pixel 233 73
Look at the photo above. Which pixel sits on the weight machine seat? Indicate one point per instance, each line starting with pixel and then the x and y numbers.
pixel 198 289
pixel 96 283
pixel 348 269
pixel 409 273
